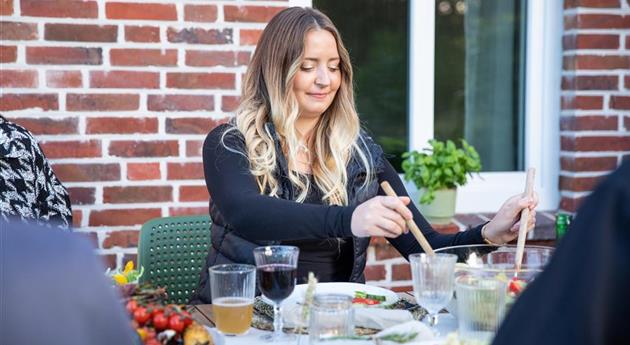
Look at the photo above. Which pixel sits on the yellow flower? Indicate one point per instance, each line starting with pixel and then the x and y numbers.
pixel 142 333
pixel 128 267
pixel 120 279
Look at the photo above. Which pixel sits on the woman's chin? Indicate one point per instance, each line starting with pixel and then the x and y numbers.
pixel 312 112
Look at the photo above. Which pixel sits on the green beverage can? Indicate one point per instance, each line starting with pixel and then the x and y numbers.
pixel 562 223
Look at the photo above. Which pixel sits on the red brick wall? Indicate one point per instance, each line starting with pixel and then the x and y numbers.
pixel 121 94
pixel 595 121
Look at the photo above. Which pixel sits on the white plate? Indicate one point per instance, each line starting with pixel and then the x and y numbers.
pixel 217 337
pixel 340 288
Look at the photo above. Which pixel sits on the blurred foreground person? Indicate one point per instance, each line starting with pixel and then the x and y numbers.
pixel 29 188
pixel 54 291
pixel 582 296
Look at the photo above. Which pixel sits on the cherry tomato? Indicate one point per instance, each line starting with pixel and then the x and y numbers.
pixel 141 315
pixel 370 301
pixel 132 305
pixel 366 301
pixel 156 310
pixel 187 318
pixel 516 286
pixel 160 321
pixel 176 323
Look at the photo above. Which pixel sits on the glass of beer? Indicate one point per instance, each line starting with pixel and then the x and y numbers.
pixel 233 287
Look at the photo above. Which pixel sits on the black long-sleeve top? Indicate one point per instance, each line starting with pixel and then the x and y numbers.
pixel 260 217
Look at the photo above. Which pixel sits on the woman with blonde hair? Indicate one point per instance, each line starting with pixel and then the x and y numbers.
pixel 294 167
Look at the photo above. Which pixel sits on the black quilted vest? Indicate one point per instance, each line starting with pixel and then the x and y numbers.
pixel 228 247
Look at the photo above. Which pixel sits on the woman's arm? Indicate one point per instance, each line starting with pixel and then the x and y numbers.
pixel 406 244
pixel 234 191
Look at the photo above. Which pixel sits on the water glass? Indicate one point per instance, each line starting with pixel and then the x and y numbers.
pixel 331 316
pixel 480 307
pixel 232 289
pixel 432 282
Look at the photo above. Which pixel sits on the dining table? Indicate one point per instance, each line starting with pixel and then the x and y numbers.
pixel 202 313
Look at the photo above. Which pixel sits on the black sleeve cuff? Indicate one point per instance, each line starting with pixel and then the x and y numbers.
pixel 475 233
pixel 344 229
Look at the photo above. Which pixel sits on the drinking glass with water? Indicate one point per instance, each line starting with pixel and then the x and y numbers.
pixel 432 282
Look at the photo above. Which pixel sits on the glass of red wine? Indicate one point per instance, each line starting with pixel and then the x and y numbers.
pixel 276 274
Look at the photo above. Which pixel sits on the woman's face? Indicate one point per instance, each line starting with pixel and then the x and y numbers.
pixel 318 78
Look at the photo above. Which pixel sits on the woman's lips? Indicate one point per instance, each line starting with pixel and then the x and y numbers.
pixel 318 96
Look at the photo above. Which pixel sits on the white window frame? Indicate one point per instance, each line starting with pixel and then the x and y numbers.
pixel 542 108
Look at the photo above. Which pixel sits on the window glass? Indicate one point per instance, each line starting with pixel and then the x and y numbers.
pixel 479 78
pixel 376 34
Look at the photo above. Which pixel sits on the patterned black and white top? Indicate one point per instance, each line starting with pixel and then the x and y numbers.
pixel 28 187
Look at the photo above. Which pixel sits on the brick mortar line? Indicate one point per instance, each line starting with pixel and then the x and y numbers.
pixel 597 112
pixel 592 72
pixel 119 137
pixel 570 12
pixel 588 154
pixel 596 31
pixel 98 196
pixel 130 114
pixel 132 45
pixel 602 133
pixel 116 250
pixel 139 206
pixel 139 22
pixel 176 184
pixel 104 91
pixel 604 93
pixel 582 174
pixel 116 68
pixel 574 194
pixel 599 52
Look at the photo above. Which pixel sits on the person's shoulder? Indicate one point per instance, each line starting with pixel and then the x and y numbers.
pixel 217 134
pixel 367 142
pixel 12 131
pixel 372 150
pixel 224 136
pixel 17 141
pixel 30 236
pixel 619 180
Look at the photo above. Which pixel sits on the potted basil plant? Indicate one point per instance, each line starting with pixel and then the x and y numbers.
pixel 436 172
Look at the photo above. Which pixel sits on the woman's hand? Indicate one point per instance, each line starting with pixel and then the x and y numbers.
pixel 381 216
pixel 505 224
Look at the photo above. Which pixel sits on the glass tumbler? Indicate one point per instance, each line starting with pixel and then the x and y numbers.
pixel 331 316
pixel 232 288
pixel 480 307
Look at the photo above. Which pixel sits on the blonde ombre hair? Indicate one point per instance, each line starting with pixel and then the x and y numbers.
pixel 267 95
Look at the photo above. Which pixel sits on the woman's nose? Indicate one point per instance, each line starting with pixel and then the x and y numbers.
pixel 322 78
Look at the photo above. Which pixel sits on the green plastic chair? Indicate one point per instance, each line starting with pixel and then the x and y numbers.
pixel 173 251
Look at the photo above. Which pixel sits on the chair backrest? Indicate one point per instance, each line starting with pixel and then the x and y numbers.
pixel 173 251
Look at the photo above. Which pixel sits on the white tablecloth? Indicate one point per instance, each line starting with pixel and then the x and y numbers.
pixel 252 338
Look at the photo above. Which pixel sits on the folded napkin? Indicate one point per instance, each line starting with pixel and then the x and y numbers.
pixel 375 318
pixel 423 331
pixel 379 318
